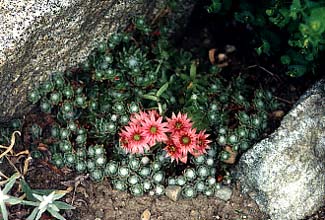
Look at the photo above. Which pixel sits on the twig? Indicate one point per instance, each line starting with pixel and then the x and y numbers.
pixel 76 182
pixel 13 165
pixel 12 143
pixel 26 165
pixel 3 175
pixel 283 100
pixel 9 149
pixel 264 69
pixel 161 13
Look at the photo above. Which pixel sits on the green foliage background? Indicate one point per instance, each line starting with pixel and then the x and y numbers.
pixel 293 31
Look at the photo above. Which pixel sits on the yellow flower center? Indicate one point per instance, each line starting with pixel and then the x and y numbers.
pixel 153 130
pixel 178 125
pixel 171 148
pixel 185 140
pixel 136 137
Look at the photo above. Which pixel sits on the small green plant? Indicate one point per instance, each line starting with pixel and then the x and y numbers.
pixel 44 200
pixel 48 203
pixel 5 197
pixel 291 30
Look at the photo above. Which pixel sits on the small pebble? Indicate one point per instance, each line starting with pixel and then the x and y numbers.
pixel 224 193
pixel 195 214
pixel 173 192
pixel 146 215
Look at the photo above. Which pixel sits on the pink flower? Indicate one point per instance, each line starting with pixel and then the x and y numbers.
pixel 179 123
pixel 202 143
pixel 153 113
pixel 154 129
pixel 133 140
pixel 174 152
pixel 186 140
pixel 138 118
pixel 145 129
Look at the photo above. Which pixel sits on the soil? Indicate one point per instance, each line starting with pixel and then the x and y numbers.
pixel 98 201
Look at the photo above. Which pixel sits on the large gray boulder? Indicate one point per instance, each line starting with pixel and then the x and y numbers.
pixel 39 37
pixel 285 173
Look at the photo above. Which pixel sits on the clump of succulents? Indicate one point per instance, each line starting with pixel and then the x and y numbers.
pixel 114 116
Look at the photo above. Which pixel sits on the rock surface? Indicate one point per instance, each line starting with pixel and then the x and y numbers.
pixel 285 173
pixel 39 37
pixel 224 193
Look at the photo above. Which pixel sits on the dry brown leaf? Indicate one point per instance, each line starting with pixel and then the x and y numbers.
pixel 211 55
pixel 278 114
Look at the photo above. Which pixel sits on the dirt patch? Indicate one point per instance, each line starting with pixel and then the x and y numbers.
pixel 99 201
pixel 105 203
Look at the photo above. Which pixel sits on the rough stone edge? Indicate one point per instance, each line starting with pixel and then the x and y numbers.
pixel 296 109
pixel 154 6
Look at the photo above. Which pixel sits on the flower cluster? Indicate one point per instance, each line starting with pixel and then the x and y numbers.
pixel 146 129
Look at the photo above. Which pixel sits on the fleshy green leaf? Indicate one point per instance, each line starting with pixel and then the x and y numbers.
pixel 42 191
pixel 151 97
pixel 193 71
pixel 55 214
pixel 63 205
pixel 58 195
pixel 31 203
pixel 38 197
pixel 27 190
pixel 10 183
pixel 13 200
pixel 33 214
pixel 39 214
pixel 4 211
pixel 184 77
pixel 53 207
pixel 162 89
